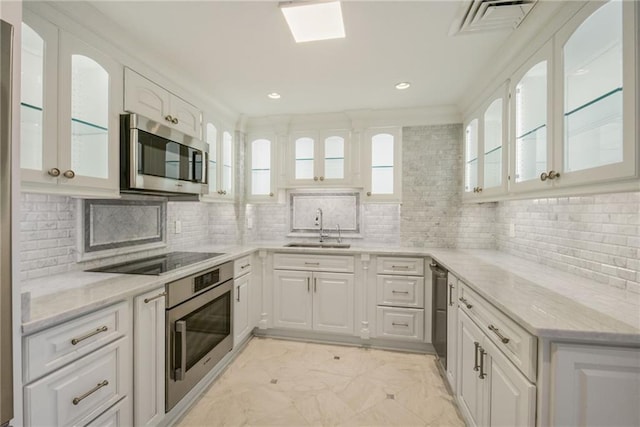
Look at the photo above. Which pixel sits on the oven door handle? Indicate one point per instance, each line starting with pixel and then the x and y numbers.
pixel 181 346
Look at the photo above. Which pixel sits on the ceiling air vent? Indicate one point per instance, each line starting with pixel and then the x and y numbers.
pixel 488 15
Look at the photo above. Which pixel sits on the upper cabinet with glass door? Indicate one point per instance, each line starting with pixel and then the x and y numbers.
pixel 70 108
pixel 383 164
pixel 221 163
pixel 485 154
pixel 261 177
pixel 319 158
pixel 597 94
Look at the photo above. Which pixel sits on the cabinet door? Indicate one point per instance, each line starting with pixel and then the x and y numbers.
pixel 383 164
pixel 304 154
pixel 452 329
pixel 470 386
pixel 333 157
pixel 38 103
pixel 531 136
pixel 471 160
pixel 187 118
pixel 597 95
pixel 241 321
pixel 292 296
pixel 148 354
pixel 512 398
pixel 144 97
pixel 89 93
pixel 333 304
pixel 594 385
pixel 261 167
pixel 226 165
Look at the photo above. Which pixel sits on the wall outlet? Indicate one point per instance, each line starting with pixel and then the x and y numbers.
pixel 178 227
pixel 512 230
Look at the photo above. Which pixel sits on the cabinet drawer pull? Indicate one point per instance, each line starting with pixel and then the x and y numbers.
pixel 169 119
pixel 315 285
pixel 406 325
pixel 475 356
pixel 89 335
pixel 148 300
pixel 69 174
pixel 400 292
pixel 465 302
pixel 483 374
pixel 242 267
pixel 400 267
pixel 308 284
pixel 496 331
pixel 98 386
pixel 174 120
pixel 54 172
pixel 311 263
pixel 238 294
pixel 450 294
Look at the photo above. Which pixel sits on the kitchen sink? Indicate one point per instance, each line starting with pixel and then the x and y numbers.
pixel 319 245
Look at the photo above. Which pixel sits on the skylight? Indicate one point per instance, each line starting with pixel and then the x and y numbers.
pixel 313 20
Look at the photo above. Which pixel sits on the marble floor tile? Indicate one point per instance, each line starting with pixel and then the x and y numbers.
pixel 287 383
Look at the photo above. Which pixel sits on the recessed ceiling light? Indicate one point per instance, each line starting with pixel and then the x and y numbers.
pixel 274 95
pixel 403 85
pixel 313 20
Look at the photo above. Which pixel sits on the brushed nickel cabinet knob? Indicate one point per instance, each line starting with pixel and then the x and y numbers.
pixel 54 172
pixel 69 174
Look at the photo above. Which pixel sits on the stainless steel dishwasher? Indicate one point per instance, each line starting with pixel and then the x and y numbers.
pixel 439 312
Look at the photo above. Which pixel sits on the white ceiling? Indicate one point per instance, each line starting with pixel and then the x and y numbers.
pixel 239 51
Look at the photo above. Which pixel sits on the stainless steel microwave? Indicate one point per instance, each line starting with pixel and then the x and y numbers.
pixel 158 160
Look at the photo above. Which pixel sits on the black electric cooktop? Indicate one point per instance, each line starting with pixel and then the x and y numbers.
pixel 157 264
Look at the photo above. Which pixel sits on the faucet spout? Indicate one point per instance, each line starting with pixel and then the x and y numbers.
pixel 319 222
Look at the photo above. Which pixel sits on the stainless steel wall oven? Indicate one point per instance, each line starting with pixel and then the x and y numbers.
pixel 199 328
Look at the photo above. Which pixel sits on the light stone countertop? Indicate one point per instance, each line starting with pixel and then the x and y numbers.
pixel 547 302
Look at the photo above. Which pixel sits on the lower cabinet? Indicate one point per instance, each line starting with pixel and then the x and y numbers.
pixel 241 308
pixel 491 390
pixel 118 415
pixel 452 330
pixel 317 301
pixel 148 355
pixel 594 385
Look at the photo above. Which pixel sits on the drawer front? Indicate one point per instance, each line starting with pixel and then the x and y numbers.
pixel 79 392
pixel 242 266
pixel 398 265
pixel 402 291
pixel 512 339
pixel 50 349
pixel 116 416
pixel 306 262
pixel 400 323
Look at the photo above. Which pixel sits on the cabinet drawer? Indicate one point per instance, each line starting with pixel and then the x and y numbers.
pixel 52 348
pixel 398 265
pixel 79 392
pixel 518 344
pixel 116 416
pixel 400 323
pixel 242 266
pixel 403 291
pixel 331 263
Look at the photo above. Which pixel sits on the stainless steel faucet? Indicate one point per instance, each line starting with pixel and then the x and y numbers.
pixel 319 222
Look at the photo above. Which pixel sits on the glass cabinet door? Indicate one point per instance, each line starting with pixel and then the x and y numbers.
pixel 212 140
pixel 334 165
pixel 304 149
pixel 471 156
pixel 260 172
pixel 597 96
pixel 382 164
pixel 227 164
pixel 492 146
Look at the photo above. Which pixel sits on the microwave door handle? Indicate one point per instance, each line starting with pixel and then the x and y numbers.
pixel 181 329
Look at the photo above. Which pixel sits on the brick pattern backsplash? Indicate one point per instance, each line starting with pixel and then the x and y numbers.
pixel 433 214
pixel 597 237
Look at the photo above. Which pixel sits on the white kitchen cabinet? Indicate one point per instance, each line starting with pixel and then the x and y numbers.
pixel 221 166
pixel 69 114
pixel 382 164
pixel 491 390
pixel 319 158
pixel 406 324
pixel 149 357
pixel 594 385
pixel 144 97
pixel 485 151
pixel 242 284
pixel 79 392
pixel 313 300
pixel 261 167
pixel 116 416
pixel 452 331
